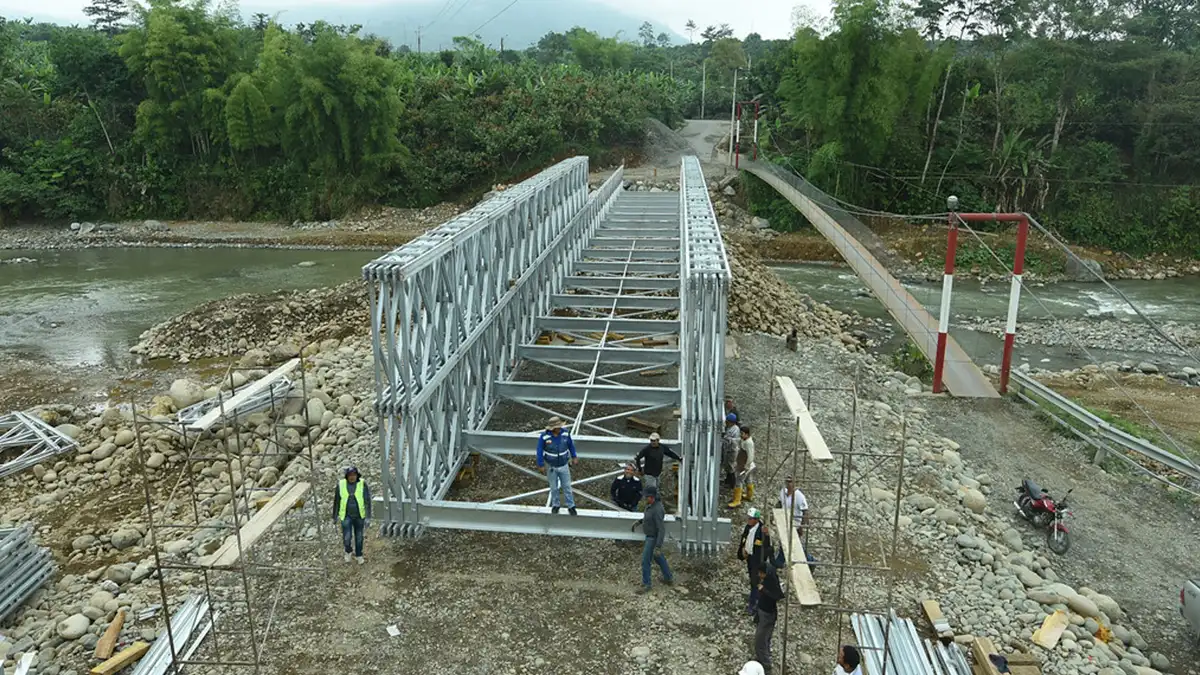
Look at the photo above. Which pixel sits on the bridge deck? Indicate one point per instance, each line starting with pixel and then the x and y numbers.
pixel 961 376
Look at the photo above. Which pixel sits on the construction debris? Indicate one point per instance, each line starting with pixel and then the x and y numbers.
pixel 189 626
pixel 897 641
pixel 38 440
pixel 193 415
pixel 122 660
pixel 24 567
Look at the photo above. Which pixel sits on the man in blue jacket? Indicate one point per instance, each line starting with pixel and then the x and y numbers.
pixel 656 532
pixel 555 456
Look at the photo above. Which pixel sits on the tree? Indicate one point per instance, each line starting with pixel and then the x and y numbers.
pixel 663 40
pixel 107 15
pixel 646 34
pixel 690 29
pixel 727 54
pixel 713 33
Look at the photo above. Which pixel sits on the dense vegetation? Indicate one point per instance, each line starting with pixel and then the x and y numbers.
pixel 1084 114
pixel 184 111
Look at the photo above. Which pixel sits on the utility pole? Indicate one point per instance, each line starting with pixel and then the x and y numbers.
pixel 703 84
pixel 733 116
pixel 501 46
pixel 418 39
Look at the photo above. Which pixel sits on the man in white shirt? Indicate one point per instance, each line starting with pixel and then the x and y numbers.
pixel 790 497
pixel 849 662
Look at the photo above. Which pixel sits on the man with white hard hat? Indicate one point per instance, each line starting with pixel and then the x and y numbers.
pixel 752 668
pixel 650 460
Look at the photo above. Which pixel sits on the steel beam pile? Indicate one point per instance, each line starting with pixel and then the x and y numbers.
pixel 448 311
pixel 187 630
pixel 258 401
pixel 703 313
pixel 24 567
pixel 895 641
pixel 36 441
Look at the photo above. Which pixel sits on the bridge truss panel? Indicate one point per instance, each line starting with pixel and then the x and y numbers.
pixel 546 301
pixel 703 315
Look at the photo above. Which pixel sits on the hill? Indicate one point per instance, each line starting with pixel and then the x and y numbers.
pixel 520 25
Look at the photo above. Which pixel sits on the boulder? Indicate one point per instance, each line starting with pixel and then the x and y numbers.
pixel 948 516
pixel 156 460
pixel 104 451
pixel 1028 577
pixel 1083 269
pixel 100 599
pixel 921 502
pixel 185 392
pixel 73 627
pixel 83 542
pixel 69 430
pixel 126 538
pixel 123 438
pixel 974 500
pixel 1083 606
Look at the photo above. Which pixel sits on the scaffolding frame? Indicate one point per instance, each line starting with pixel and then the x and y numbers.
pixel 233 636
pixel 854 464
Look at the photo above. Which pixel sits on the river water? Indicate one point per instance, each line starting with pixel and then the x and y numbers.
pixel 1175 300
pixel 88 307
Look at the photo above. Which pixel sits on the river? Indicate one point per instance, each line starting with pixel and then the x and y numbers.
pixel 87 307
pixel 1176 300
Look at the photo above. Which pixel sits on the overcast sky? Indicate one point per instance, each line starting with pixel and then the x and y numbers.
pixel 769 18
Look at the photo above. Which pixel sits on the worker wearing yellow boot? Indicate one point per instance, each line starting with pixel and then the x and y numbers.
pixel 743 469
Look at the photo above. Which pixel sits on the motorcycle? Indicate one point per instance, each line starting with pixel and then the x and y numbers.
pixel 1038 507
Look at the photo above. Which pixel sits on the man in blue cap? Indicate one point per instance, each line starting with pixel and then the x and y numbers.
pixel 352 510
pixel 654 527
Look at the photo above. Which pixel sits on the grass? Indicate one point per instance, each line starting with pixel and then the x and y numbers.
pixel 910 361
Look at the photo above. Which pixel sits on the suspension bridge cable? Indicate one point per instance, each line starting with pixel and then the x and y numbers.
pixel 496 16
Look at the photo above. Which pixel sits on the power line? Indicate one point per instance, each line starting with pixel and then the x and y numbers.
pixel 439 14
pixel 497 15
pixel 460 9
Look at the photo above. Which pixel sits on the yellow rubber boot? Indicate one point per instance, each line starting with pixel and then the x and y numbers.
pixel 737 498
pixel 750 491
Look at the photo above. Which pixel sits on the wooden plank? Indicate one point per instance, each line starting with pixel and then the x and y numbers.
pixel 242 396
pixel 805 425
pixel 127 657
pixel 1023 659
pixel 798 571
pixel 933 612
pixel 980 649
pixel 108 642
pixel 252 531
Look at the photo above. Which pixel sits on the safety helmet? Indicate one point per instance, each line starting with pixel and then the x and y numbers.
pixel 754 513
pixel 752 668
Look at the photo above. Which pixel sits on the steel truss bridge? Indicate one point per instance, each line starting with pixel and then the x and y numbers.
pixel 549 301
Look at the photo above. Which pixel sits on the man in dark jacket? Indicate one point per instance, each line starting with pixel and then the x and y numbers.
pixel 656 532
pixel 755 548
pixel 650 460
pixel 352 510
pixel 626 490
pixel 769 595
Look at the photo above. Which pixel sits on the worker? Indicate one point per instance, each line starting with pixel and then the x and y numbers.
pixel 769 595
pixel 729 445
pixel 352 510
pixel 743 469
pixel 731 408
pixel 650 460
pixel 654 527
pixel 751 668
pixel 793 340
pixel 794 504
pixel 755 549
pixel 555 456
pixel 849 661
pixel 626 490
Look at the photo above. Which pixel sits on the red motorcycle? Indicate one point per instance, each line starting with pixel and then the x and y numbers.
pixel 1038 507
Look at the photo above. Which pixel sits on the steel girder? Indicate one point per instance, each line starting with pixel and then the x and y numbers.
pixel 492 285
pixel 703 313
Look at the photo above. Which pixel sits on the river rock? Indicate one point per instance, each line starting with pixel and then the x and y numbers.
pixel 1012 539
pixel 948 516
pixel 104 451
pixel 123 438
pixel 1083 269
pixel 921 502
pixel 316 410
pixel 974 500
pixel 125 538
pixel 1028 577
pixel 1147 368
pixel 73 627
pixel 156 460
pixel 83 542
pixel 69 430
pixel 1083 606
pixel 186 392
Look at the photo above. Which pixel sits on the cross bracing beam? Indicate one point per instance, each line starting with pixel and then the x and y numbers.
pixel 590 523
pixel 629 232
pixel 637 243
pixel 614 301
pixel 628 268
pixel 623 283
pixel 515 443
pixel 618 325
pixel 623 254
pixel 595 394
pixel 651 356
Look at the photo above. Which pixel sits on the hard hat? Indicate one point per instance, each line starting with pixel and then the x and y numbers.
pixel 654 436
pixel 752 668
pixel 754 513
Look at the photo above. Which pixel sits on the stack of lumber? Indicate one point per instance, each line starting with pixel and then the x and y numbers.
pixel 235 545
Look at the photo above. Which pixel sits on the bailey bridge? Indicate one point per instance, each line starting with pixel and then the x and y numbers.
pixel 604 308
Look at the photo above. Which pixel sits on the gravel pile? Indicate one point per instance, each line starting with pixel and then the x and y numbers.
pixel 1111 334
pixel 761 302
pixel 277 322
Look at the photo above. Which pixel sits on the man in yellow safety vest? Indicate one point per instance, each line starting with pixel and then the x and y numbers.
pixel 352 510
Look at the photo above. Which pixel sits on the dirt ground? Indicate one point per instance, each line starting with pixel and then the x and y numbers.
pixel 1174 407
pixel 1129 538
